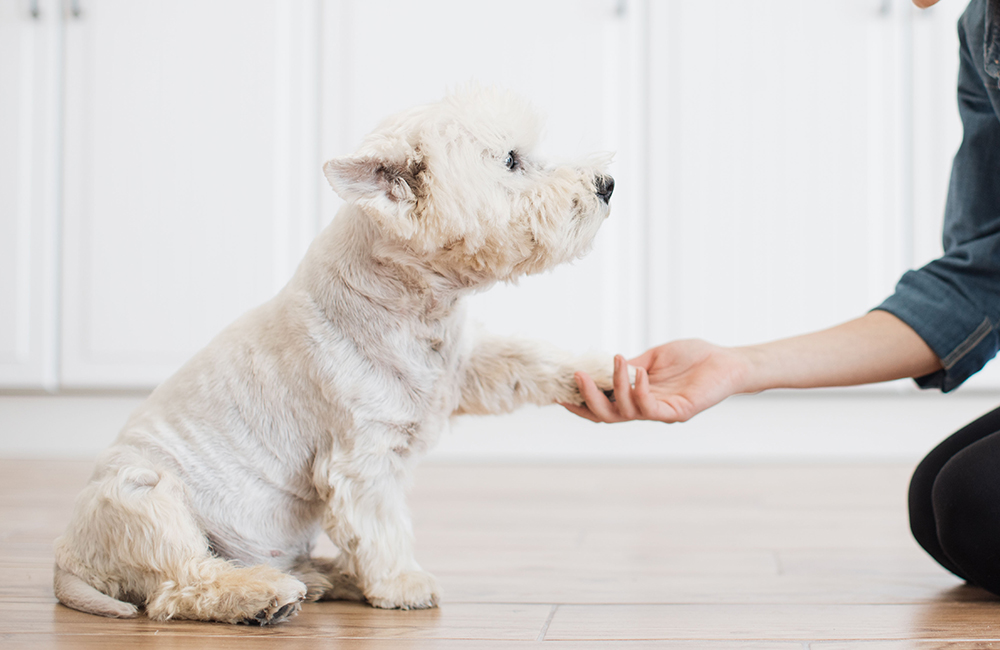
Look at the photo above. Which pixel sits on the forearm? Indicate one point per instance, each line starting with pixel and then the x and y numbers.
pixel 874 348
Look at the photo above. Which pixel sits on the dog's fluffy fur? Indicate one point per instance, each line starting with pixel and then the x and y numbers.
pixel 309 412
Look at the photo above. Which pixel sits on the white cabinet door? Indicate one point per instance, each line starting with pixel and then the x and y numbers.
pixel 28 193
pixel 575 60
pixel 191 172
pixel 776 199
pixel 937 128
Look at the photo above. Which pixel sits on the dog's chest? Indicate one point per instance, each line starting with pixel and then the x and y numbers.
pixel 415 387
pixel 429 373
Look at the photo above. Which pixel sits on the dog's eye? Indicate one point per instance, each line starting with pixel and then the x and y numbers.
pixel 513 161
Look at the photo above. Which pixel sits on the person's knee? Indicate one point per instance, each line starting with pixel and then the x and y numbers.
pixel 921 508
pixel 966 501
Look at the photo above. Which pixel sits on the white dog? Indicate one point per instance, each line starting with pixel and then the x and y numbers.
pixel 310 412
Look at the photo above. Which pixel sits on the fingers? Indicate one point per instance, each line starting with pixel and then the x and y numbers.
pixel 627 408
pixel 582 411
pixel 659 356
pixel 599 405
pixel 631 403
pixel 649 407
pixel 644 360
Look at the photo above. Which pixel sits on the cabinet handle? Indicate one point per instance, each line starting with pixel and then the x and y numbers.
pixel 75 10
pixel 35 12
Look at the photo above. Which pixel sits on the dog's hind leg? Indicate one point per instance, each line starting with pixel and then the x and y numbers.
pixel 134 539
pixel 212 589
pixel 74 592
pixel 325 579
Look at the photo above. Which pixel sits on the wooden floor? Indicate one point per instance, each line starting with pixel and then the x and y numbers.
pixel 619 557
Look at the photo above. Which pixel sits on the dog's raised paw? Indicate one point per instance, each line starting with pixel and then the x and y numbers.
pixel 600 368
pixel 604 379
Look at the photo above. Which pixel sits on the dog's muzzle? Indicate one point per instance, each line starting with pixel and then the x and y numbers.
pixel 605 186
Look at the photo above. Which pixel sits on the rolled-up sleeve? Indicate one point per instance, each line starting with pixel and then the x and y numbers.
pixel 953 303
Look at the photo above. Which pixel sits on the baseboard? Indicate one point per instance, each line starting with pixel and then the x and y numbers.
pixel 780 426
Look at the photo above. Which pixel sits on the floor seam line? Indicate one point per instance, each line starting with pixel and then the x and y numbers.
pixel 548 621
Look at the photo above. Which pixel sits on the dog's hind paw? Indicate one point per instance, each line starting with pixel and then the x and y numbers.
pixel 257 595
pixel 274 614
pixel 285 602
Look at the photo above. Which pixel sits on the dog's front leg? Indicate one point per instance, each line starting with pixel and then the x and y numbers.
pixel 502 374
pixel 368 520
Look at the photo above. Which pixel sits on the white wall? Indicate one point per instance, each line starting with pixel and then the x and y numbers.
pixel 779 164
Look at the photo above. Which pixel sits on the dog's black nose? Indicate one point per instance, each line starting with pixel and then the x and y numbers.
pixel 605 186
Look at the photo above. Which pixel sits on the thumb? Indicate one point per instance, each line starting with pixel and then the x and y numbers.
pixel 644 360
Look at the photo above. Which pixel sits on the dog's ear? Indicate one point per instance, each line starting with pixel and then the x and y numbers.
pixel 385 186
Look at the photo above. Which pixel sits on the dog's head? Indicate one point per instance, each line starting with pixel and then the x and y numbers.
pixel 457 183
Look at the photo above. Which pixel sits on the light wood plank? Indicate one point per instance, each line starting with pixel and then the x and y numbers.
pixel 41 477
pixel 944 620
pixel 913 644
pixel 815 486
pixel 663 589
pixel 94 642
pixel 908 560
pixel 337 619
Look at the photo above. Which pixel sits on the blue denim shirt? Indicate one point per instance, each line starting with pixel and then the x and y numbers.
pixel 953 303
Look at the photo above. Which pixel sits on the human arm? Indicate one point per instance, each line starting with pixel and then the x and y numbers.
pixel 678 380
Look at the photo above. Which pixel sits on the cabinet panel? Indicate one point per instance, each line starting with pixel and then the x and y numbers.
pixel 775 140
pixel 28 194
pixel 571 59
pixel 937 128
pixel 190 175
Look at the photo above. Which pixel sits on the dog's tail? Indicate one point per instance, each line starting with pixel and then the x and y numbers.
pixel 74 592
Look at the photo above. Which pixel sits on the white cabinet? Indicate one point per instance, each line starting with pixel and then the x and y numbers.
pixel 190 175
pixel 778 164
pixel 800 154
pixel 29 192
pixel 575 61
pixel 937 128
pixel 776 145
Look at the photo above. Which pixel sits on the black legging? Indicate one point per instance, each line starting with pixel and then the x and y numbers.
pixel 955 503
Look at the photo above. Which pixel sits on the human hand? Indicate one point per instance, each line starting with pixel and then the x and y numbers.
pixel 673 383
pixel 676 381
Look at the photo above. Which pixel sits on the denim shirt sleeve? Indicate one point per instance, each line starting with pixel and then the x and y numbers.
pixel 953 303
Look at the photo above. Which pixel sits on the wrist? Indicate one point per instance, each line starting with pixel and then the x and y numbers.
pixel 755 372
